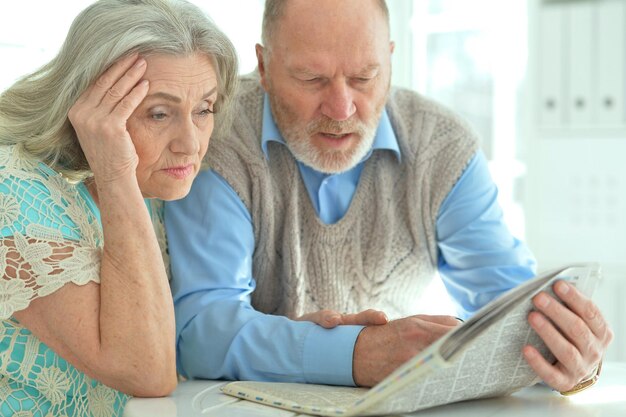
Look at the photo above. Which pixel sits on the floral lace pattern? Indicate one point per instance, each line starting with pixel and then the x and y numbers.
pixel 49 236
pixel 36 382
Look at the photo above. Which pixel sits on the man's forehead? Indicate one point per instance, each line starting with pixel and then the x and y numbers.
pixel 331 16
pixel 338 8
pixel 316 69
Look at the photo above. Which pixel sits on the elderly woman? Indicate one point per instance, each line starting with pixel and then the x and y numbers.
pixel 122 115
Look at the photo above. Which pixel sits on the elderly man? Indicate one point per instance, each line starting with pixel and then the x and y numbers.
pixel 336 193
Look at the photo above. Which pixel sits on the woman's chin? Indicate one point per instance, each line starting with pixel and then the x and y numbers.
pixel 168 195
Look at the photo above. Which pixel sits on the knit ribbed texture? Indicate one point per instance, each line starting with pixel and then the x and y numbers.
pixel 383 252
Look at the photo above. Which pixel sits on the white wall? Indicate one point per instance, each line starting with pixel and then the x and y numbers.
pixel 575 191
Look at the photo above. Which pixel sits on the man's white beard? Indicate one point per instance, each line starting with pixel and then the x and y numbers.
pixel 331 161
pixel 299 141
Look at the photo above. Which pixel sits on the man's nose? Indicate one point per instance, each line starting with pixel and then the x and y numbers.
pixel 338 102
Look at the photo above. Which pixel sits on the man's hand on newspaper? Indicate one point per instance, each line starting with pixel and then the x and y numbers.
pixel 379 350
pixel 574 331
pixel 331 318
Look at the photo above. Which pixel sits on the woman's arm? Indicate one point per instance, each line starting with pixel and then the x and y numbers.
pixel 120 332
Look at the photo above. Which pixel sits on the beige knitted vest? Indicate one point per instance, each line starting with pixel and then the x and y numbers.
pixel 383 252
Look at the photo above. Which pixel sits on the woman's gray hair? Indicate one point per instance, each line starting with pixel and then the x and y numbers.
pixel 33 112
pixel 274 9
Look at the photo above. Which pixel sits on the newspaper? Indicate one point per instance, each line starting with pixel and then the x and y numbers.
pixel 481 358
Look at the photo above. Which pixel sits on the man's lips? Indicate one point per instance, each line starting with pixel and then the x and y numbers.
pixel 335 135
pixel 337 141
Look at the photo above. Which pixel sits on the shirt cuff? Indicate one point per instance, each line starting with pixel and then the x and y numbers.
pixel 327 355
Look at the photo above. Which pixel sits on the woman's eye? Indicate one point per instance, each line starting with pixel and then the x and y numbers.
pixel 206 112
pixel 159 116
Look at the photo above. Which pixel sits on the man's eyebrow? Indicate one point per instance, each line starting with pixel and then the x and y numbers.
pixel 176 99
pixel 304 72
pixel 367 70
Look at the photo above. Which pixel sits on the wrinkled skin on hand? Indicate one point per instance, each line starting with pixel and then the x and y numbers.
pixel 100 114
pixel 380 350
pixel 575 332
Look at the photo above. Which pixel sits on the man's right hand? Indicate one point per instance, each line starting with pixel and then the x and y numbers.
pixel 379 350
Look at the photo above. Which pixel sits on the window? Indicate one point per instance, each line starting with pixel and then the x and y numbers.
pixel 475 63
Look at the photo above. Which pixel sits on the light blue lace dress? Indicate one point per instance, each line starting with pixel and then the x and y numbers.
pixel 39 213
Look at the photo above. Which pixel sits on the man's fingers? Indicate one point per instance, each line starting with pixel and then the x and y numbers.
pixel 585 309
pixel 564 350
pixel 550 374
pixel 572 331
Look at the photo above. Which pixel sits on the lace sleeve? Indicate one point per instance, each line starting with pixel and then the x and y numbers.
pixel 49 235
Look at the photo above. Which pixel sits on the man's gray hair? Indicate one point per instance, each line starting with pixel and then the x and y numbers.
pixel 33 112
pixel 274 10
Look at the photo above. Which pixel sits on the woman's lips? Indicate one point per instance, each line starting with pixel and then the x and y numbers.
pixel 181 172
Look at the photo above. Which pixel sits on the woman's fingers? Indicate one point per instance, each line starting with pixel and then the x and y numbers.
pixel 127 105
pixel 100 117
pixel 124 85
pixel 108 78
pixel 113 85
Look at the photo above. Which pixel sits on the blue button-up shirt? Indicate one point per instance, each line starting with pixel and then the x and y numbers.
pixel 211 243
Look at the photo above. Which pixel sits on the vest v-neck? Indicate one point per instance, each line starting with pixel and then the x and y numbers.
pixel 364 182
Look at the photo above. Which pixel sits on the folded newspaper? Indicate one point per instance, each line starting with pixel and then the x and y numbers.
pixel 480 358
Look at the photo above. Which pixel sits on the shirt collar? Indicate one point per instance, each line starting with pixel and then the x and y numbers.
pixel 385 136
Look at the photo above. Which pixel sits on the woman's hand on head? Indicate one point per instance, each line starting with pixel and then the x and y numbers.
pixel 100 114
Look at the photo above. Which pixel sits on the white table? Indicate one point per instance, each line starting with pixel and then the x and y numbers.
pixel 606 399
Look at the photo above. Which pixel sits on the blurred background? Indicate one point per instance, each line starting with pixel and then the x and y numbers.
pixel 543 82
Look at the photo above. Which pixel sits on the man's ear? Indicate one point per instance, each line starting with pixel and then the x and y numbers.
pixel 261 63
pixel 392 47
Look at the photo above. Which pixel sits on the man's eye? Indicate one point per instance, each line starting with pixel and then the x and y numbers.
pixel 158 116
